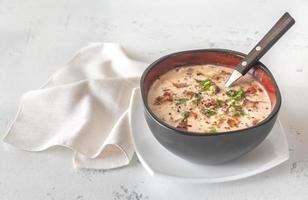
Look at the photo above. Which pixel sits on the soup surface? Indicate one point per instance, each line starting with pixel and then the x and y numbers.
pixel 195 98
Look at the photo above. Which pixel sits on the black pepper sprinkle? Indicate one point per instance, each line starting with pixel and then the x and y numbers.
pixel 169 113
pixel 190 125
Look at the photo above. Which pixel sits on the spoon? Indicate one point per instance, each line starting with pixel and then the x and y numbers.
pixel 271 37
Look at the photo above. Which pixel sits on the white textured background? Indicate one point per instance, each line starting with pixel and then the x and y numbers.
pixel 36 37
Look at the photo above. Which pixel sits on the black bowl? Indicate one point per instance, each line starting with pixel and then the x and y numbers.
pixel 210 148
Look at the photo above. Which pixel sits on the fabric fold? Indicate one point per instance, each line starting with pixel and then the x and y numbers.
pixel 83 106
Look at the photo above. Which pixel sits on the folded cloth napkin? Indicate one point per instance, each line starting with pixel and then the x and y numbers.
pixel 83 106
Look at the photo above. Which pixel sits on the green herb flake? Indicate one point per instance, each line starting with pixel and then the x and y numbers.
pixel 205 83
pixel 231 93
pixel 239 112
pixel 231 102
pixel 239 95
pixel 219 104
pixel 198 97
pixel 181 101
pixel 195 102
pixel 201 82
pixel 185 115
pixel 209 113
pixel 236 95
pixel 212 129
pixel 214 89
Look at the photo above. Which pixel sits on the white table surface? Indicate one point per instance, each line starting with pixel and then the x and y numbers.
pixel 36 37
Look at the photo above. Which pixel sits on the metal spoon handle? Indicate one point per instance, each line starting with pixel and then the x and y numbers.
pixel 271 37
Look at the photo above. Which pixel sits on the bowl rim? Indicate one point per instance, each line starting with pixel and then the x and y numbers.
pixel 259 64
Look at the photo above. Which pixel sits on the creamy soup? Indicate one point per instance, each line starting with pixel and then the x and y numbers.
pixel 195 98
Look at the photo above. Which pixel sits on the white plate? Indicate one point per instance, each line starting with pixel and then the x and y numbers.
pixel 159 162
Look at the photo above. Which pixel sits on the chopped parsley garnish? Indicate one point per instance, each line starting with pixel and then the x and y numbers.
pixel 198 97
pixel 238 109
pixel 239 112
pixel 219 104
pixel 209 113
pixel 231 93
pixel 239 95
pixel 205 83
pixel 185 115
pixel 181 101
pixel 201 82
pixel 214 89
pixel 236 95
pixel 212 129
pixel 231 102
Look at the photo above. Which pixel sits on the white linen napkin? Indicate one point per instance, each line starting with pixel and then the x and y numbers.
pixel 83 107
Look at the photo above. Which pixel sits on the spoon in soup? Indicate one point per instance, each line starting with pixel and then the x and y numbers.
pixel 271 37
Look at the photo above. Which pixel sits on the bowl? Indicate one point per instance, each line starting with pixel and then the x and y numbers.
pixel 209 148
